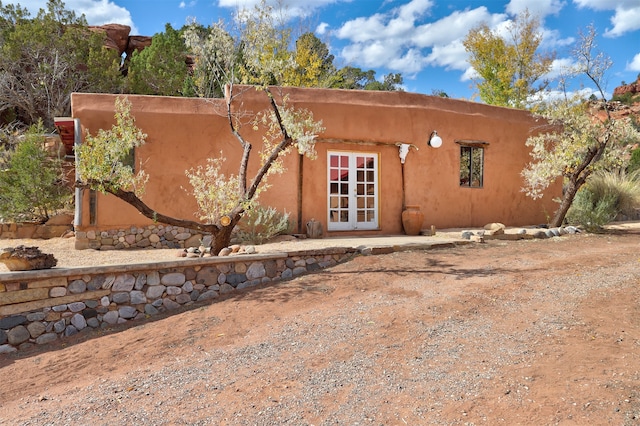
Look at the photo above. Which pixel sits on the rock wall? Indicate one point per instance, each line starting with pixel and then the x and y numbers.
pixel 152 236
pixel 40 307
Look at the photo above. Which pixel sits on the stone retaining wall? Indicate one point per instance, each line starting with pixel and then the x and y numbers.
pixel 32 230
pixel 39 307
pixel 152 236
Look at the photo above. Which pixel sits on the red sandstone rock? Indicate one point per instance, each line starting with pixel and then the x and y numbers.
pixel 117 36
pixel 137 43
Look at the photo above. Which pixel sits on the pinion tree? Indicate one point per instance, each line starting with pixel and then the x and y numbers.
pixel 581 138
pixel 257 54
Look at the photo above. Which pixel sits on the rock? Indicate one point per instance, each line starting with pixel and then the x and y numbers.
pixel 10 322
pixel 494 226
pixel 18 335
pixel 225 252
pixel 5 349
pixel 123 282
pixel 23 258
pixel 36 329
pixel 467 235
pixel 193 241
pixel 60 219
pixel 155 291
pixel 79 321
pixel 127 312
pixel 137 42
pixel 173 279
pixel 117 36
pixel 77 286
pixel 256 270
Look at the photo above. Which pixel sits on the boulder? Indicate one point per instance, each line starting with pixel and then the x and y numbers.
pixel 23 258
pixel 137 43
pixel 117 36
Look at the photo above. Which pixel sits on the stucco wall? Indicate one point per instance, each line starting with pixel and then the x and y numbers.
pixel 182 133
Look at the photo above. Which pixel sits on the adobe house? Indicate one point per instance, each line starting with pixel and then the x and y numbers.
pixel 373 159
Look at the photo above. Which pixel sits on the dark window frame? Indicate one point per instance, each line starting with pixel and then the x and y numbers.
pixel 472 163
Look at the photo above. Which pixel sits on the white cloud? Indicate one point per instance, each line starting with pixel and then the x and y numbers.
pixel 322 28
pixel 401 41
pixel 626 17
pixel 539 8
pixel 635 64
pixel 97 12
pixel 293 8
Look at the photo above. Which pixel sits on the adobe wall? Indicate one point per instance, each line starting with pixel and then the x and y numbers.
pixel 41 307
pixel 183 132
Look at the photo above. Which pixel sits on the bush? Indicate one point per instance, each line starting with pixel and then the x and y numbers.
pixel 31 182
pixel 603 197
pixel 259 224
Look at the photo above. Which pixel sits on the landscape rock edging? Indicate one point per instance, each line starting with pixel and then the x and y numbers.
pixel 40 307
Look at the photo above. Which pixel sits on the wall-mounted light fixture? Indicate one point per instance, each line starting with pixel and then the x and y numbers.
pixel 435 141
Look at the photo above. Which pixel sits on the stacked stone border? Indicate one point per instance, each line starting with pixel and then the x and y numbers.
pixel 153 236
pixel 40 307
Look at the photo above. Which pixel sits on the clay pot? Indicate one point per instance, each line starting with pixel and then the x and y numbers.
pixel 412 219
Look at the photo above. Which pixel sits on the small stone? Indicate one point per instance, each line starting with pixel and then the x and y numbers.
pixel 10 322
pixel 79 321
pixel 226 288
pixel 225 252
pixel 57 292
pixel 6 349
pixel 104 301
pixel 36 329
pixel 46 338
pixel 138 297
pixel 124 282
pixel 70 331
pixel 249 249
pixel 110 317
pixel 120 298
pixel 173 279
pixel 36 316
pixel 77 286
pixel 173 290
pixel 93 322
pixel 149 309
pixel 59 326
pixel 76 306
pixel 127 312
pixel 183 298
pixel 170 304
pixel 187 287
pixel 207 295
pixel 153 278
pixel 156 291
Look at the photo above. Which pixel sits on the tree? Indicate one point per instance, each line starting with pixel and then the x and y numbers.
pixel 31 180
pixel 580 139
pixel 313 63
pixel 44 59
pixel 256 54
pixel 159 69
pixel 508 66
pixel 355 78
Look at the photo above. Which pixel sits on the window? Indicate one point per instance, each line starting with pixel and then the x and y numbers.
pixel 471 166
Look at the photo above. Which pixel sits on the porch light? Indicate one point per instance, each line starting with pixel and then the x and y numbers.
pixel 435 141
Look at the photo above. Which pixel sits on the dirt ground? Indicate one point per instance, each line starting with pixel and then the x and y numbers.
pixel 536 332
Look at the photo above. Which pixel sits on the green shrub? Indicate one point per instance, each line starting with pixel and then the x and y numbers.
pixel 605 196
pixel 259 224
pixel 31 182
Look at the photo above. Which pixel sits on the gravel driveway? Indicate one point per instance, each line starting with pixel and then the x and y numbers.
pixel 524 332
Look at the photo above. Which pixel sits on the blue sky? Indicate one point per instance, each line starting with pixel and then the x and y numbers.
pixel 419 38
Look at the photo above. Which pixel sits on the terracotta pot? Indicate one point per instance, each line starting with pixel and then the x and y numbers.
pixel 412 219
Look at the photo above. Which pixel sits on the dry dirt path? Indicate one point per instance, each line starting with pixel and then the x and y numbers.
pixel 534 332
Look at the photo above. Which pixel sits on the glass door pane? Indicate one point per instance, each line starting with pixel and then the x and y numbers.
pixel 353 191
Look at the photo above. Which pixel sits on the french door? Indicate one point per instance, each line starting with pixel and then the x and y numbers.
pixel 353 191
